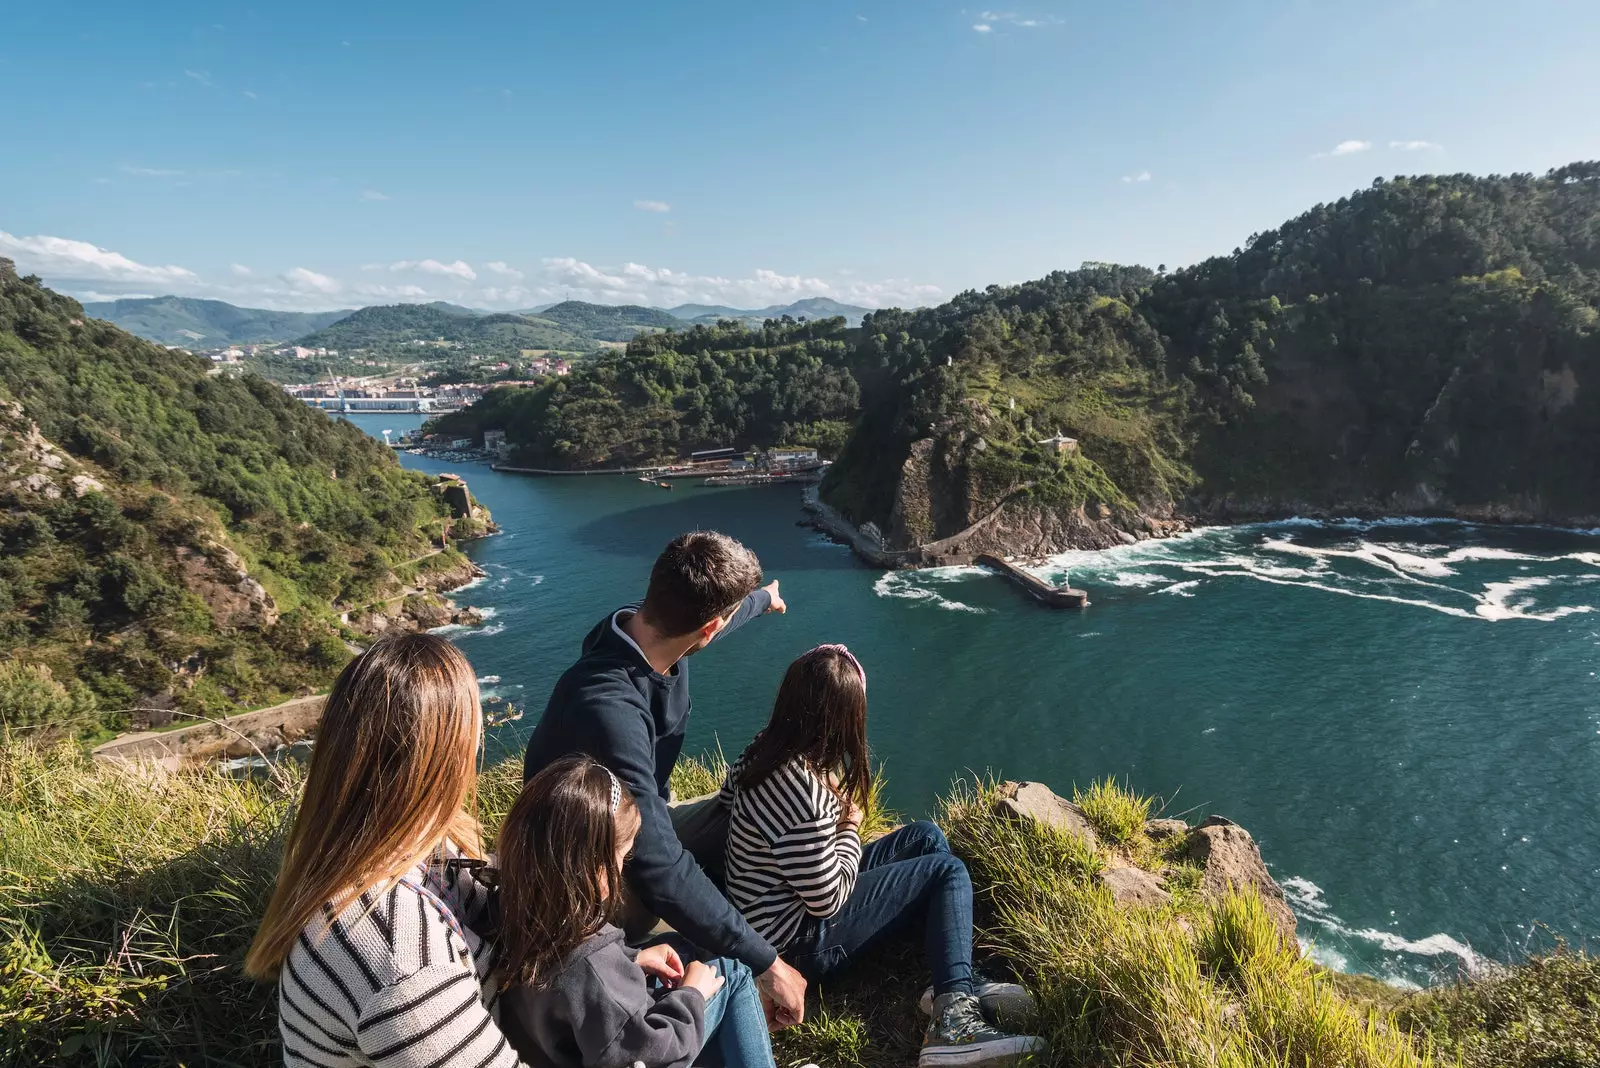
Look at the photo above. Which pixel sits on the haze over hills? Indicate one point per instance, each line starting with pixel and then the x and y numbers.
pixel 191 322
pixel 571 325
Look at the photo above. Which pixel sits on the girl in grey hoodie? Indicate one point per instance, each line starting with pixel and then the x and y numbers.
pixel 575 995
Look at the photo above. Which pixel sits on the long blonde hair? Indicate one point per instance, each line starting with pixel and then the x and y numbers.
pixel 392 776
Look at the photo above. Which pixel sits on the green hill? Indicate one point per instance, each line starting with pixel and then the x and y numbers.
pixel 175 538
pixel 606 322
pixel 810 308
pixel 1428 345
pixel 206 323
pixel 412 329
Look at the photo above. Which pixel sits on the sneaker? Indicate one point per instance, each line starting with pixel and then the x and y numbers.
pixel 1004 1004
pixel 958 1035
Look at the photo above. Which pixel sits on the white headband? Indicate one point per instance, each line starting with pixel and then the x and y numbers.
pixel 616 791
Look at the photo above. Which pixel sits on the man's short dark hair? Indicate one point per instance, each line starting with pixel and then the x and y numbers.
pixel 697 578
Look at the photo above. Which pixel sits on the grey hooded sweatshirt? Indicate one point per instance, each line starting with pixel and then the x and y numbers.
pixel 599 1012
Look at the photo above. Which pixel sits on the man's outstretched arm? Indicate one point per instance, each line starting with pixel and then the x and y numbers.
pixel 760 602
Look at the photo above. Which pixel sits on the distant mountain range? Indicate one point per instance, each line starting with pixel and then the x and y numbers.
pixel 810 308
pixel 207 324
pixel 570 324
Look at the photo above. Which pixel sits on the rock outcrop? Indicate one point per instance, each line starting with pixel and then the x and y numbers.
pixel 1224 852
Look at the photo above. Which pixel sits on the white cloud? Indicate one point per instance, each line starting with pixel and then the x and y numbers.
pixel 373 194
pixel 62 260
pixel 241 270
pixel 652 205
pixel 861 18
pixel 1142 176
pixel 987 20
pixel 1416 146
pixel 249 95
pixel 635 283
pixel 1345 148
pixel 458 269
pixel 305 279
pixel 501 267
pixel 149 172
pixel 201 76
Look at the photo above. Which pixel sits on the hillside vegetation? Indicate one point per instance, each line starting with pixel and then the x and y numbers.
pixel 194 323
pixel 131 895
pixel 175 538
pixel 1428 345
pixel 672 393
pixel 606 322
pixel 394 329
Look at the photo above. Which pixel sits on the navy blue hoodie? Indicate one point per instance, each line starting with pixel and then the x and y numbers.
pixel 613 706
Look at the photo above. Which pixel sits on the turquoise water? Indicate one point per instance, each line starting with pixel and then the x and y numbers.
pixel 1405 715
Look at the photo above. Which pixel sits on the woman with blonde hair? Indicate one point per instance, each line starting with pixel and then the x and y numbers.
pixel 369 929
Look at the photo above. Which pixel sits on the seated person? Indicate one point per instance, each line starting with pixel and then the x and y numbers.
pixel 574 996
pixel 797 870
pixel 626 704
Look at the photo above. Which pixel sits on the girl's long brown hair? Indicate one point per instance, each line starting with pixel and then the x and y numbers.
pixel 820 717
pixel 559 877
pixel 392 776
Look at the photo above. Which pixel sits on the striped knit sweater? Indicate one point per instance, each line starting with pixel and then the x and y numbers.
pixel 788 857
pixel 398 980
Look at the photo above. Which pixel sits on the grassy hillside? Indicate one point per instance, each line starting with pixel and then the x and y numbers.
pixel 131 896
pixel 174 538
pixel 606 322
pixel 196 323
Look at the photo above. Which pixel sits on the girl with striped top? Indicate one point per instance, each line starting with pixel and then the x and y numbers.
pixel 368 932
pixel 797 869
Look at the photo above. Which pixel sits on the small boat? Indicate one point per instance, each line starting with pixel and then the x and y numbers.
pixel 664 484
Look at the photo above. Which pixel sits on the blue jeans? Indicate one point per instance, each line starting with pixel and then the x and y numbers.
pixel 736 1024
pixel 906 878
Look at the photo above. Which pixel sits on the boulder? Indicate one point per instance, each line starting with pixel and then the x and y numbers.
pixel 1232 859
pixel 1036 801
pixel 1134 886
pixel 1161 830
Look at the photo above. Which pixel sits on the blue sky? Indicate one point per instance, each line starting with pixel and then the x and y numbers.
pixel 300 155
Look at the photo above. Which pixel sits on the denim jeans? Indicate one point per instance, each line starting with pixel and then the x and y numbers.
pixel 736 1024
pixel 907 878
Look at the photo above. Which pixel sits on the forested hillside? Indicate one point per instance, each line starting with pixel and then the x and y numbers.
pixel 175 538
pixel 396 329
pixel 674 392
pixel 606 322
pixel 196 323
pixel 1429 344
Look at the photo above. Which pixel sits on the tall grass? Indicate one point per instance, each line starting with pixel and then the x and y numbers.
pixel 128 896
pixel 1195 984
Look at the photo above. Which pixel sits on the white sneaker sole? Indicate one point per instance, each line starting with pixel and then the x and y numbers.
pixel 1009 1001
pixel 997 1051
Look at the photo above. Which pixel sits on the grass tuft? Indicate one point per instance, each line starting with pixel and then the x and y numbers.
pixel 1117 813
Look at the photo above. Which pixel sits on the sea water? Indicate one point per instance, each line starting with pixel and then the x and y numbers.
pixel 1406 715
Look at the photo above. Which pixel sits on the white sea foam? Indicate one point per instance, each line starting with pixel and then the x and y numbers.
pixel 488 680
pixel 1137 579
pixel 536 580
pixel 1181 589
pixel 904 585
pixel 486 632
pixel 1306 899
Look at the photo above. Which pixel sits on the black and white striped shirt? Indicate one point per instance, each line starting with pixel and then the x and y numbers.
pixel 788 857
pixel 397 980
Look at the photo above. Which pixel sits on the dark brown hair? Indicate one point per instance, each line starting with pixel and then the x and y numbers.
pixel 559 878
pixel 697 578
pixel 393 775
pixel 820 717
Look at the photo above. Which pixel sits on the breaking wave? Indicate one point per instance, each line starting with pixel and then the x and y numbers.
pixel 1419 563
pixel 1407 960
pixel 915 586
